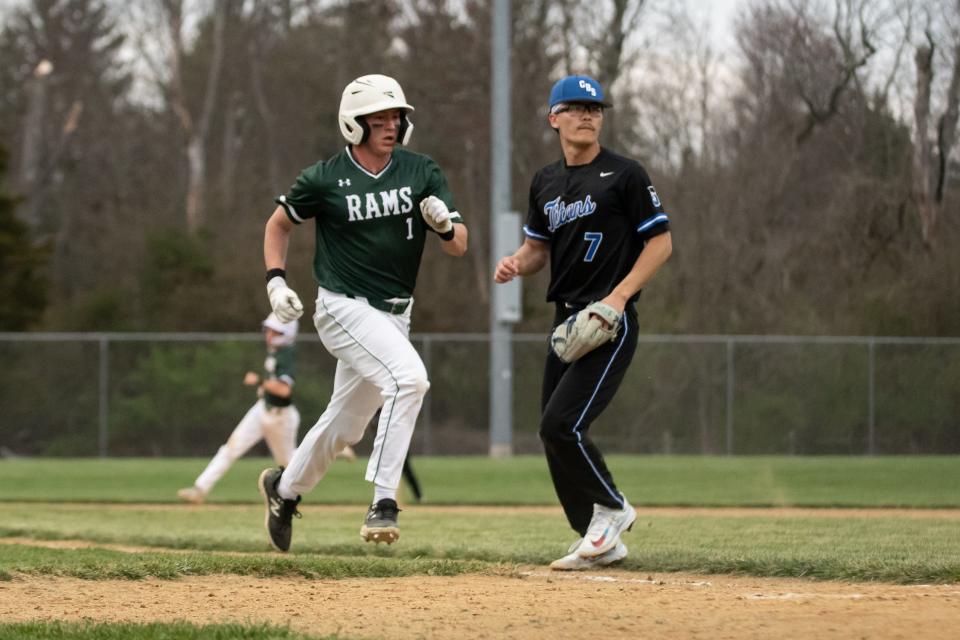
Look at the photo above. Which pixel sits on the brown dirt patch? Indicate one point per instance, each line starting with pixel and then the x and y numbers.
pixel 538 605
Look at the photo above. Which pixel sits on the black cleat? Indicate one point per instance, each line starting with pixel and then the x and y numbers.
pixel 381 522
pixel 280 512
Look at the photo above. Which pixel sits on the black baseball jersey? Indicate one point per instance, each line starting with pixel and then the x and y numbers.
pixel 597 218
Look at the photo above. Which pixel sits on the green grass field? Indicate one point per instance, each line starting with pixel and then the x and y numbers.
pixel 133 503
pixel 833 481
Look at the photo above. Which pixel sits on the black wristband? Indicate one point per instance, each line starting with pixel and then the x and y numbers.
pixel 273 273
pixel 447 236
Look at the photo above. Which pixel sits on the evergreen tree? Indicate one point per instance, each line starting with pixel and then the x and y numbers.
pixel 23 289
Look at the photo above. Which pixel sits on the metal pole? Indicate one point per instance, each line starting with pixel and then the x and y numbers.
pixel 501 353
pixel 104 396
pixel 730 384
pixel 871 399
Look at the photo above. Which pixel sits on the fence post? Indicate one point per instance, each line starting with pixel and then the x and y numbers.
pixel 871 398
pixel 104 395
pixel 730 382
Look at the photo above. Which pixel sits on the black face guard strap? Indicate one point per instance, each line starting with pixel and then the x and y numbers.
pixel 362 121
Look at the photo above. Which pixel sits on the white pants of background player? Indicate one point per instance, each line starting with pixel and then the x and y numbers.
pixel 277 425
pixel 376 366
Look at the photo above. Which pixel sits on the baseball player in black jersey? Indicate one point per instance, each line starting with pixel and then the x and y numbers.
pixel 595 216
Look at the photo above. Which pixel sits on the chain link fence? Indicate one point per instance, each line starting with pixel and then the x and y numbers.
pixel 122 394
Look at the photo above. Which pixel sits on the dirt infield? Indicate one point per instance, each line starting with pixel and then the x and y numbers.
pixel 537 605
pixel 533 604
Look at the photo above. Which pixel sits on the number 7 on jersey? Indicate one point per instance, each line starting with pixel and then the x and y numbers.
pixel 594 238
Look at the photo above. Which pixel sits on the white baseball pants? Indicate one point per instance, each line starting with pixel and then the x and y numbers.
pixel 277 425
pixel 376 367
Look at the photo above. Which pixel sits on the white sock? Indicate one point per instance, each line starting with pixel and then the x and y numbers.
pixel 380 492
pixel 285 491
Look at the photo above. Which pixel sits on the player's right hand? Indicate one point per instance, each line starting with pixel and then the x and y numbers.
pixel 507 269
pixel 284 300
pixel 436 214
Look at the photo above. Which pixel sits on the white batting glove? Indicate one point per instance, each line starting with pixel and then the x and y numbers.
pixel 284 300
pixel 436 214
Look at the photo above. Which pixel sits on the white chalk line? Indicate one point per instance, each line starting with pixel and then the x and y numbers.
pixel 586 577
pixel 569 575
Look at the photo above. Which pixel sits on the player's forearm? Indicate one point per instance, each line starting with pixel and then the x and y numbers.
pixel 457 246
pixel 276 387
pixel 653 256
pixel 276 239
pixel 531 257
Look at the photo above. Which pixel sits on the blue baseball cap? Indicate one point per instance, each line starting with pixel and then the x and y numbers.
pixel 577 89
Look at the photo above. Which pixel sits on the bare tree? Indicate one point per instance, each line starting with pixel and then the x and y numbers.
pixel 901 25
pixel 195 130
pixel 30 155
pixel 666 117
pixel 231 147
pixel 257 50
pixel 931 162
pixel 852 38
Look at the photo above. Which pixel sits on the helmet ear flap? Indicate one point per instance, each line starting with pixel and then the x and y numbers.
pixel 352 129
pixel 405 130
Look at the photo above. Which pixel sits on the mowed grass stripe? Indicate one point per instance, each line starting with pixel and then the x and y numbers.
pixel 446 542
pixel 753 481
pixel 104 564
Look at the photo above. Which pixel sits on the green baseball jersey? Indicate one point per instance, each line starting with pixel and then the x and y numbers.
pixel 279 365
pixel 369 229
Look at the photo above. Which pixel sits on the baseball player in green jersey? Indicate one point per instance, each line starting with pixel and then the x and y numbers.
pixel 273 418
pixel 373 206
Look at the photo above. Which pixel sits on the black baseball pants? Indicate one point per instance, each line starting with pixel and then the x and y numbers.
pixel 572 397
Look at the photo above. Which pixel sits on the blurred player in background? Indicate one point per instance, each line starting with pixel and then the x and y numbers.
pixel 273 418
pixel 598 221
pixel 373 205
pixel 412 480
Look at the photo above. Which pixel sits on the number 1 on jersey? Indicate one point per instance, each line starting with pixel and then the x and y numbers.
pixel 410 228
pixel 594 238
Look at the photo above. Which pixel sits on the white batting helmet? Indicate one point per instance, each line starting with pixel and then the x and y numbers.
pixel 369 94
pixel 287 330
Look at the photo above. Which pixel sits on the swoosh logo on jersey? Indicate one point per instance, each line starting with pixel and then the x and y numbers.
pixel 599 541
pixel 604 174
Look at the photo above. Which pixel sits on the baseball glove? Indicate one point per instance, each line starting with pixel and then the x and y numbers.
pixel 584 331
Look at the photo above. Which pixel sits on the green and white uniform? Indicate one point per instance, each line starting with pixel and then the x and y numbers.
pixel 279 365
pixel 272 419
pixel 370 236
pixel 369 230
